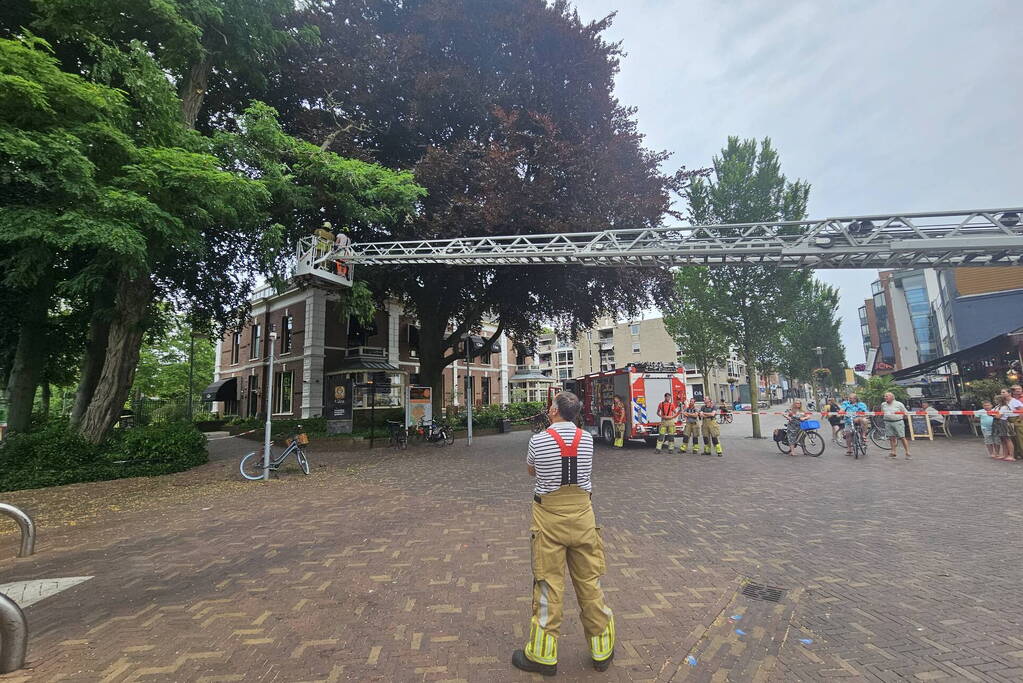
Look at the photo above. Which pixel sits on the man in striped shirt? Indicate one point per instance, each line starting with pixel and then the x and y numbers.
pixel 564 530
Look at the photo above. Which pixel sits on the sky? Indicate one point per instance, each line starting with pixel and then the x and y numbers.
pixel 882 105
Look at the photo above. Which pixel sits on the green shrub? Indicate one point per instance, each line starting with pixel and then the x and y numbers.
pixel 488 417
pixel 56 455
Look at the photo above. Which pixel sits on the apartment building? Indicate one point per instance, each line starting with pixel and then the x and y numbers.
pixel 917 315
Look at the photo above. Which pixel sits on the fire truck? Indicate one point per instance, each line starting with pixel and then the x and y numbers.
pixel 641 386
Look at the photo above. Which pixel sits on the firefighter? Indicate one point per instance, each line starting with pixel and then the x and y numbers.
pixel 667 411
pixel 564 530
pixel 691 432
pixel 618 420
pixel 710 428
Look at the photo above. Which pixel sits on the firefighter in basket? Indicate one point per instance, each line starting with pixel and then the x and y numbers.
pixel 667 410
pixel 710 428
pixel 691 432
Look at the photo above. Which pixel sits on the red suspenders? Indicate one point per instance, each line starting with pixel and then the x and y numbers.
pixel 569 461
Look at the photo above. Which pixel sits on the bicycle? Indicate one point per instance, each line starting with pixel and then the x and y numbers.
pixel 809 439
pixel 251 465
pixel 398 435
pixel 540 422
pixel 724 418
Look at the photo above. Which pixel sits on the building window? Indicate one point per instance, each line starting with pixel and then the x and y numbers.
pixel 287 325
pixel 284 385
pixel 634 329
pixel 254 340
pixel 236 344
pixel 565 373
pixel 413 341
pixel 485 390
pixel 635 347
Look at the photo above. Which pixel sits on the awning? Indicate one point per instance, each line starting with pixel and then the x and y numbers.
pixel 221 390
pixel 530 377
pixel 982 350
pixel 367 365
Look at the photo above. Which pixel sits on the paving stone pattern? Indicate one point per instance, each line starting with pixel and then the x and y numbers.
pixel 415 566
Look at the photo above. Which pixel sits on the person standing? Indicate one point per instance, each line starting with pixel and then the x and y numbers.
pixel 1002 428
pixel 711 430
pixel 618 420
pixel 1016 419
pixel 667 411
pixel 691 432
pixel 987 420
pixel 855 418
pixel 834 419
pixel 894 417
pixel 564 531
pixel 794 417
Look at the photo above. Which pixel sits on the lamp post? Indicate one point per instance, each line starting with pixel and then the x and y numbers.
pixel 269 402
pixel 820 363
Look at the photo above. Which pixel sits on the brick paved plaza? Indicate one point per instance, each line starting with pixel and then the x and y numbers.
pixel 415 566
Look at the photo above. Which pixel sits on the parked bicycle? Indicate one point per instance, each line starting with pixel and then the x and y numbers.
pixel 724 417
pixel 398 435
pixel 540 422
pixel 809 439
pixel 251 465
pixel 875 434
pixel 437 433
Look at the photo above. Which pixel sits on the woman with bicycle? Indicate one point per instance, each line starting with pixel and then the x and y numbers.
pixel 850 407
pixel 795 416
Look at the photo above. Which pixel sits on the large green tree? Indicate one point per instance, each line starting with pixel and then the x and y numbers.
pixel 686 321
pixel 749 304
pixel 506 113
pixel 814 323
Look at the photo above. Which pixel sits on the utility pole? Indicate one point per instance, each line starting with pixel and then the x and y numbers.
pixel 820 364
pixel 191 363
pixel 269 404
pixel 468 389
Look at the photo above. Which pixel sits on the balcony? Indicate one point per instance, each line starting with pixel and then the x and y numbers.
pixel 374 352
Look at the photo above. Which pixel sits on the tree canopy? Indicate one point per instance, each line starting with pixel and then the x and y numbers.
pixel 749 305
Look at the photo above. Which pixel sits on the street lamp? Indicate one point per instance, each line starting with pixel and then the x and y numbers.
pixel 820 363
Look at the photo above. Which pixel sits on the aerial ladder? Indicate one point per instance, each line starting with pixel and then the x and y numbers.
pixel 945 239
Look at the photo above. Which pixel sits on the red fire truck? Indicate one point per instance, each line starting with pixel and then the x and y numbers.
pixel 642 386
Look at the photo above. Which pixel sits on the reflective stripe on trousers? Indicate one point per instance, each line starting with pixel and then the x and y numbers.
pixel 564 532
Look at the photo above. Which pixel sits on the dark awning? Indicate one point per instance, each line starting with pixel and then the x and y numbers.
pixel 981 350
pixel 367 365
pixel 221 390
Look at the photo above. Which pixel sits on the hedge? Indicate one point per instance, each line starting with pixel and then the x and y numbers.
pixel 56 455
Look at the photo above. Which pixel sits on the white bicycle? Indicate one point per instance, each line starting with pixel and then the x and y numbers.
pixel 251 465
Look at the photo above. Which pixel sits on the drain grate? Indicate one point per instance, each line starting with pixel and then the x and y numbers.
pixel 758 592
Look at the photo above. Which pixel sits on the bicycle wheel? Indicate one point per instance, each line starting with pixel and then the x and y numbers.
pixel 859 445
pixel 302 462
pixel 449 436
pixel 728 418
pixel 251 466
pixel 878 438
pixel 783 446
pixel 813 444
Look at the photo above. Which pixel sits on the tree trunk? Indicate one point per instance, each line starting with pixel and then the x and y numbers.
pixel 121 357
pixel 754 391
pixel 193 91
pixel 29 359
pixel 431 358
pixel 92 362
pixel 44 402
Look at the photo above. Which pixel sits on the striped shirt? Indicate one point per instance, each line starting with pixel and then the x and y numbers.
pixel 545 455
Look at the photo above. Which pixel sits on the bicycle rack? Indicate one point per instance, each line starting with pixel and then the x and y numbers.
pixel 13 625
pixel 28 528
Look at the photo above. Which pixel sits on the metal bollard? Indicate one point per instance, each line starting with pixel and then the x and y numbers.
pixel 28 528
pixel 13 635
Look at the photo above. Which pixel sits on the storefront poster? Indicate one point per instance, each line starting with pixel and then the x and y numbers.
pixel 420 405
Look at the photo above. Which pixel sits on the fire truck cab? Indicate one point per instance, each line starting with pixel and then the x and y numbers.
pixel 641 386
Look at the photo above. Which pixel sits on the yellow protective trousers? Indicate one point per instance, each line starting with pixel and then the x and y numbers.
pixel 564 532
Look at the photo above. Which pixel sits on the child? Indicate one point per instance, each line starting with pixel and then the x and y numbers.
pixel 987 422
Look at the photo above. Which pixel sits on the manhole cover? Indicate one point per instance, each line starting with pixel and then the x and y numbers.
pixel 758 592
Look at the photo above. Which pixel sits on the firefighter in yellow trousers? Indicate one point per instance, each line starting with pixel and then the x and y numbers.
pixel 564 531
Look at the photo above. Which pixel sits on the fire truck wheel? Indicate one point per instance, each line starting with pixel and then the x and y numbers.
pixel 608 432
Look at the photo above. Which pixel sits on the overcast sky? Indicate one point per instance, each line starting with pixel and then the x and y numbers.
pixel 882 105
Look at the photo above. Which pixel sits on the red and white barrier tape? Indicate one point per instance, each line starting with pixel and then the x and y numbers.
pixel 969 413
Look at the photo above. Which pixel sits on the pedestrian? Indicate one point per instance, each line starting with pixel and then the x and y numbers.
pixel 855 418
pixel 691 432
pixel 834 419
pixel 794 417
pixel 894 417
pixel 987 420
pixel 667 411
pixel 711 430
pixel 1002 429
pixel 618 420
pixel 1016 419
pixel 564 530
